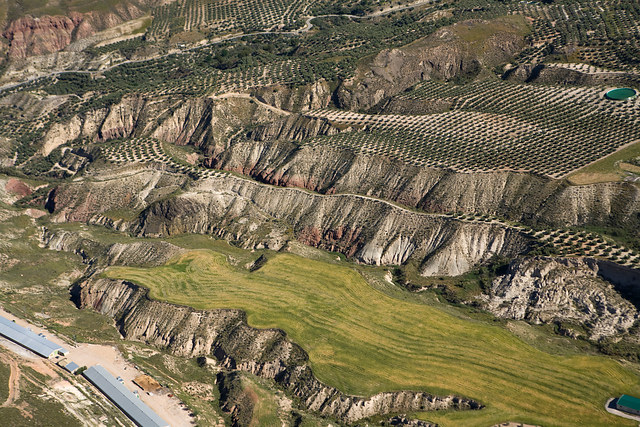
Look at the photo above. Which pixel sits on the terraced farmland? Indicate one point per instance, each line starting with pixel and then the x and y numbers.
pixel 496 125
pixel 608 35
pixel 148 150
pixel 225 16
pixel 364 341
pixel 573 243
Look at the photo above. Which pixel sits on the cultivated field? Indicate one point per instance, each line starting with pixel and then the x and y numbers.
pixel 494 125
pixel 365 341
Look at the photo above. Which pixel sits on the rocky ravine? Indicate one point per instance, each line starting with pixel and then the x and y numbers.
pixel 263 352
pixel 573 290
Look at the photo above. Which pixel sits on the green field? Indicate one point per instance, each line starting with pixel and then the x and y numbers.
pixel 607 169
pixel 364 341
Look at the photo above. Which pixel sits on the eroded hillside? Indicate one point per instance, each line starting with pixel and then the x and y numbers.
pixel 458 155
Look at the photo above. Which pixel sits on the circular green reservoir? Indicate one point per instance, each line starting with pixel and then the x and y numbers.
pixel 621 93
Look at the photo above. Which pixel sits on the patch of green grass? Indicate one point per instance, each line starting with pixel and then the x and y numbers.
pixel 364 341
pixel 35 280
pixel 5 372
pixel 265 408
pixel 31 265
pixel 61 315
pixel 607 169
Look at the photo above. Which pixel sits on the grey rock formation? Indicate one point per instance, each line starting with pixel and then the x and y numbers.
pixel 310 97
pixel 150 253
pixel 546 290
pixel 366 229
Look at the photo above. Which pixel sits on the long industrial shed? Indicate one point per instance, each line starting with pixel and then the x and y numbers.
pixel 128 403
pixel 29 339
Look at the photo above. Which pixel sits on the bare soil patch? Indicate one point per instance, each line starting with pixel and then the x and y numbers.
pixel 18 188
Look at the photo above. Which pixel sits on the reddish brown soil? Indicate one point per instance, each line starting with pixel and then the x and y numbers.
pixel 17 187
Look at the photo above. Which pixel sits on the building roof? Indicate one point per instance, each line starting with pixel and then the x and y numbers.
pixel 28 338
pixel 133 407
pixel 71 367
pixel 629 402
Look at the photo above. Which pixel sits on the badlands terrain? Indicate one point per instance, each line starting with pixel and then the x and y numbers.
pixel 323 212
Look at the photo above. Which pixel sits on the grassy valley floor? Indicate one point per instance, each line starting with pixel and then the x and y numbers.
pixel 364 341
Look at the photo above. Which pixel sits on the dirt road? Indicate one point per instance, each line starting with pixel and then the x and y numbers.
pixel 14 383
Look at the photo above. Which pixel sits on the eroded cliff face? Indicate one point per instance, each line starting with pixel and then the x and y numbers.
pixel 571 290
pixel 292 128
pixel 254 215
pixel 369 230
pixel 37 36
pixel 225 335
pixel 132 188
pixel 133 115
pixel 28 36
pixel 99 254
pixel 207 123
pixel 516 196
pixel 309 97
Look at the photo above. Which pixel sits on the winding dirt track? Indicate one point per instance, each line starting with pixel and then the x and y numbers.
pixel 14 383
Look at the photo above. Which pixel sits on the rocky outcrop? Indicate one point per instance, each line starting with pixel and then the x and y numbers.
pixel 96 253
pixel 59 134
pixel 225 335
pixel 122 119
pixel 446 54
pixel 130 188
pixel 572 291
pixel 293 128
pixel 130 116
pixel 309 97
pixel 209 123
pixel 36 36
pixel 187 120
